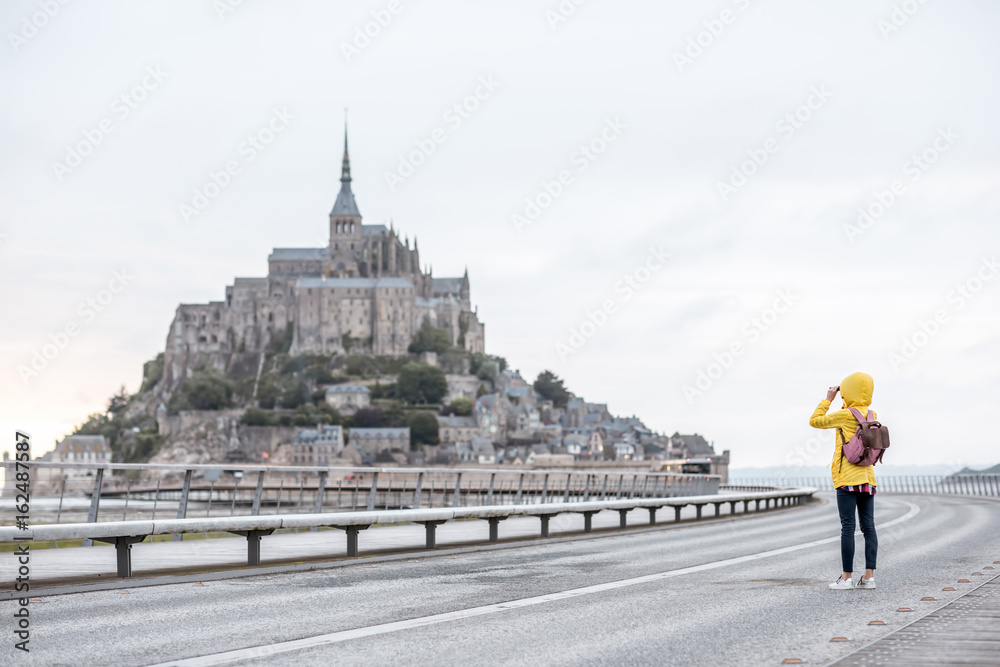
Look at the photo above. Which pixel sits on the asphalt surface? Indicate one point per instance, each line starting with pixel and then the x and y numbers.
pixel 706 594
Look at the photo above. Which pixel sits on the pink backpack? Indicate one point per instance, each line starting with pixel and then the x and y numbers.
pixel 869 442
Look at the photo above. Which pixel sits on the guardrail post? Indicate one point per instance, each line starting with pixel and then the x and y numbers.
pixel 586 488
pixel 373 491
pixel 717 506
pixel 569 477
pixel 456 499
pixel 698 507
pixel 652 515
pixel 635 481
pixel 677 512
pixel 621 482
pixel 495 527
pixel 645 486
pixel 253 543
pixel 489 493
pixel 431 528
pixel 545 523
pixel 604 488
pixel 732 507
pixel 416 492
pixel 587 521
pixel 352 539
pixel 123 551
pixel 183 505
pixel 520 488
pixel 757 506
pixel 545 488
pixel 255 508
pixel 95 504
pixel 622 523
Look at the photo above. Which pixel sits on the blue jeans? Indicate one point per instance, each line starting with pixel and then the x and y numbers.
pixel 864 503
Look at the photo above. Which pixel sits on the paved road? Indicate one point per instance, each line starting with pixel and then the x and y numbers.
pixel 747 591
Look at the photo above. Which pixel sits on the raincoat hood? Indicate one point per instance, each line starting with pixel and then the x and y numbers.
pixel 857 389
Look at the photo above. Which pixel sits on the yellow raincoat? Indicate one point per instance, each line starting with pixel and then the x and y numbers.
pixel 856 390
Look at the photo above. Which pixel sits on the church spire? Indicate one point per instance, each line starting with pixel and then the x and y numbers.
pixel 345 169
pixel 345 204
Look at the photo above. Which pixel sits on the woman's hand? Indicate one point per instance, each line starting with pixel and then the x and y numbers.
pixel 832 393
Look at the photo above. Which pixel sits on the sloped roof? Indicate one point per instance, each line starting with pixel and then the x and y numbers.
pixel 328 433
pixel 347 389
pixel 695 444
pixel 380 432
pixel 279 254
pixel 333 283
pixel 83 443
pixel 345 204
pixel 447 286
pixel 456 422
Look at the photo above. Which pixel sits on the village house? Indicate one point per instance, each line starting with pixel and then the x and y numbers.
pixel 348 398
pixel 317 447
pixel 371 442
pixel 457 429
pixel 93 449
pixel 478 450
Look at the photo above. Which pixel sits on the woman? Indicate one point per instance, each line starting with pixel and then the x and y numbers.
pixel 855 485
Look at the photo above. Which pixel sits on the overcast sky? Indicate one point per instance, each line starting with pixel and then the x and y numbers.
pixel 738 138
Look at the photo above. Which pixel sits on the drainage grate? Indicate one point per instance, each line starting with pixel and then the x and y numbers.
pixel 964 631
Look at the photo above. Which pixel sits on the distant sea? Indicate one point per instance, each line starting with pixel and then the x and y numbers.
pixel 822 471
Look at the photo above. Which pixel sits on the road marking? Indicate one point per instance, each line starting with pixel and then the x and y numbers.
pixel 240 655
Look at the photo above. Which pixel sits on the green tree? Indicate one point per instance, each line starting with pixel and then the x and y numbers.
pixel 487 370
pixel 461 406
pixel 421 383
pixel 152 373
pixel 423 428
pixel 549 387
pixel 257 417
pixel 370 417
pixel 329 414
pixel 119 401
pixel 392 413
pixel 295 395
pixel 206 389
pixel 383 390
pixel 430 339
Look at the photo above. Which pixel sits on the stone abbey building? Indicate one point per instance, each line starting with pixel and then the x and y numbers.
pixel 363 293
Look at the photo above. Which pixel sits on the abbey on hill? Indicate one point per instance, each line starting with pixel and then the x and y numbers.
pixel 363 293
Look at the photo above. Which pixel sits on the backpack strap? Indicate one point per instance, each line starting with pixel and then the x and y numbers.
pixel 857 414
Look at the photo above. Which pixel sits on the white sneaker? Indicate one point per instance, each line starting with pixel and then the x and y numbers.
pixel 866 583
pixel 842 584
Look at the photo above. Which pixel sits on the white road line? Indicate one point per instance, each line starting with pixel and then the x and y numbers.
pixel 240 655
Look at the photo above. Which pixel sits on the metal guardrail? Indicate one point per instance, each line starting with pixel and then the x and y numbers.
pixel 967 484
pixel 123 534
pixel 336 489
